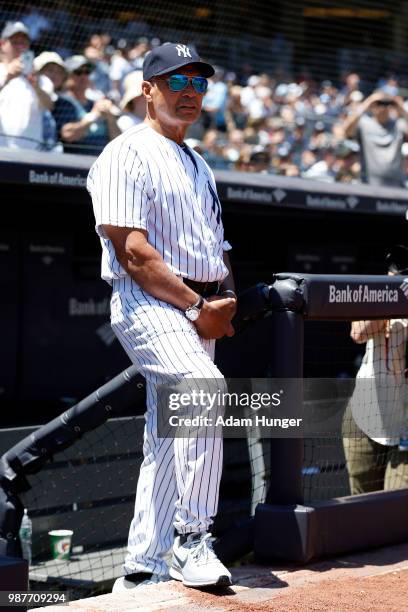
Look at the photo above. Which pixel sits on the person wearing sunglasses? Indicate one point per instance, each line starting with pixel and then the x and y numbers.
pixel 86 126
pixel 163 251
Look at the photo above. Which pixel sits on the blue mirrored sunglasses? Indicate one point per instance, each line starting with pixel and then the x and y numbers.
pixel 178 82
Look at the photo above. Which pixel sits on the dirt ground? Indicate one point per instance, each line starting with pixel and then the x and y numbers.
pixel 383 593
pixel 367 581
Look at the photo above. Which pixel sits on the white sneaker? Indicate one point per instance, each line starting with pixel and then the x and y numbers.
pixel 196 564
pixel 122 584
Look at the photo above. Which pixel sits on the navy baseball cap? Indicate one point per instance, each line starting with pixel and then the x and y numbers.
pixel 170 56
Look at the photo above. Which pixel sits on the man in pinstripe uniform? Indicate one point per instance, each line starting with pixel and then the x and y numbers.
pixel 163 251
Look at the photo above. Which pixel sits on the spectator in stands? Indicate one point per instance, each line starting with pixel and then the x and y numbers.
pixel 381 126
pixel 133 103
pixel 51 65
pixel 236 116
pixel 91 125
pixel 95 47
pixel 121 65
pixel 99 52
pixel 215 102
pixel 319 138
pixel 281 155
pixel 352 83
pixel 376 415
pixel 337 163
pixel 347 167
pixel 234 145
pixel 297 137
pixel 324 169
pixel 138 51
pixel 213 152
pixel 259 160
pixel 307 159
pixel 23 96
pixel 241 165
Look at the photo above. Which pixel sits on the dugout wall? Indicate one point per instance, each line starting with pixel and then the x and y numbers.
pixel 57 308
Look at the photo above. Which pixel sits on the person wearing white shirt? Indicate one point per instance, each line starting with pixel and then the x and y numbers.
pixel 376 417
pixel 23 97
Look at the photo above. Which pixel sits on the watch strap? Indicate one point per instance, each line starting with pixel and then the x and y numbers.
pixel 199 303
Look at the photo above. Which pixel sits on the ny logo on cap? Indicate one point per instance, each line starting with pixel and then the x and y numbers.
pixel 183 50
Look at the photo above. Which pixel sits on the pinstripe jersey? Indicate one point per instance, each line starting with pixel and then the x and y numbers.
pixel 147 181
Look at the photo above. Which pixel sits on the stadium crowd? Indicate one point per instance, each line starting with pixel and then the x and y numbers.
pixel 254 123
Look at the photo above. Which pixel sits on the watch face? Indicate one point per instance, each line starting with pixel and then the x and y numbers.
pixel 192 314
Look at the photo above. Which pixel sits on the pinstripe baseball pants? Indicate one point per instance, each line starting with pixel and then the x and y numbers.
pixel 179 477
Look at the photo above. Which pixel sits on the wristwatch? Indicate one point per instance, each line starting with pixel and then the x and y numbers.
pixel 193 312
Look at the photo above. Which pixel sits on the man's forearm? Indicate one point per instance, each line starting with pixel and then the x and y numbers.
pixel 76 130
pixel 403 113
pixel 350 124
pixel 156 278
pixel 146 266
pixel 43 98
pixel 152 275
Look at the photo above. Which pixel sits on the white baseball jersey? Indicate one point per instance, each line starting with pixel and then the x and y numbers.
pixel 146 181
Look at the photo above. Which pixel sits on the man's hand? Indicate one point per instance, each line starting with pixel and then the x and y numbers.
pixel 350 125
pixel 103 108
pixel 362 331
pixel 215 318
pixel 399 106
pixel 14 69
pixel 33 80
pixel 106 109
pixel 373 99
pixel 43 97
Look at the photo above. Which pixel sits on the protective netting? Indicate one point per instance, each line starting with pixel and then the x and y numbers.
pixel 90 487
pixel 290 76
pixel 365 402
pixel 283 38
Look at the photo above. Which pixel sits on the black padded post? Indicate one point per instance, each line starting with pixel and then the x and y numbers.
pixel 285 485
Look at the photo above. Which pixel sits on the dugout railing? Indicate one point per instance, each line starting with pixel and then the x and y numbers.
pixel 283 526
